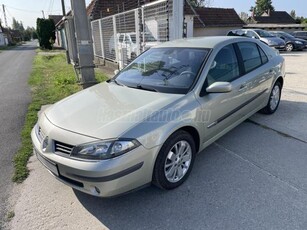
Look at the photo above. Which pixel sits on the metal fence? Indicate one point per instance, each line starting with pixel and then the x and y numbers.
pixel 123 36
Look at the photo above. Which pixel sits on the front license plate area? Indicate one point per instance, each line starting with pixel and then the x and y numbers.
pixel 51 166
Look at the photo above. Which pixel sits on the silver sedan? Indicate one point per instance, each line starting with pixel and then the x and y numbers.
pixel 147 123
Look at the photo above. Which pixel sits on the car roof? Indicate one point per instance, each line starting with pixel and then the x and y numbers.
pixel 202 42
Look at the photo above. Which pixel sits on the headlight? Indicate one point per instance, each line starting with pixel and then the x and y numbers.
pixel 103 150
pixel 298 42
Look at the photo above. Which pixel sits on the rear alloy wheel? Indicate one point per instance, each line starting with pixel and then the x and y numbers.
pixel 175 161
pixel 274 99
pixel 289 47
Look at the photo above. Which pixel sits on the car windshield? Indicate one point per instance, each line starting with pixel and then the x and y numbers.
pixel 287 35
pixel 167 70
pixel 263 33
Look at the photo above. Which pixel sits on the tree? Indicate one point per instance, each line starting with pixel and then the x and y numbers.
pixel 262 6
pixel 29 33
pixel 201 3
pixel 46 32
pixel 293 14
pixel 17 25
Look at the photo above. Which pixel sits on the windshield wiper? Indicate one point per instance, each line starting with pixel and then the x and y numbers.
pixel 116 82
pixel 143 88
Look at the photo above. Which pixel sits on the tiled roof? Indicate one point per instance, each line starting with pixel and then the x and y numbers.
pixel 278 17
pixel 103 8
pixel 56 18
pixel 217 17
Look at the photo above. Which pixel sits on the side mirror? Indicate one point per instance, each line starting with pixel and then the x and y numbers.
pixel 116 72
pixel 282 38
pixel 219 87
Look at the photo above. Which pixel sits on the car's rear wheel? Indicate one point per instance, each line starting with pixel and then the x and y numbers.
pixel 274 99
pixel 174 161
pixel 289 47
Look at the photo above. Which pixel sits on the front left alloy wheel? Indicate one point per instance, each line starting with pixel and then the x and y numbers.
pixel 174 161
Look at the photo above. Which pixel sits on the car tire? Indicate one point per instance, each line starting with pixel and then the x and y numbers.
pixel 174 161
pixel 289 47
pixel 274 99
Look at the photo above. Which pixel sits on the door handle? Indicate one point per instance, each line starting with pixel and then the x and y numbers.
pixel 242 87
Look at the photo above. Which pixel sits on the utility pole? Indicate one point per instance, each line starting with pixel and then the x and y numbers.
pixel 4 14
pixel 43 14
pixel 64 14
pixel 63 7
pixel 85 66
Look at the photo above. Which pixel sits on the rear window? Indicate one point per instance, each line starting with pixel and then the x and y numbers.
pixel 250 55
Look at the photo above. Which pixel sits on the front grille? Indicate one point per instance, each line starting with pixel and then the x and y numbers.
pixel 40 134
pixel 60 147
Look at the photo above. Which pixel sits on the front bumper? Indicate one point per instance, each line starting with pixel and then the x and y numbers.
pixel 103 178
pixel 299 46
pixel 279 47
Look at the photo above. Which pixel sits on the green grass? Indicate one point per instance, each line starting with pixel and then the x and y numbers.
pixel 51 80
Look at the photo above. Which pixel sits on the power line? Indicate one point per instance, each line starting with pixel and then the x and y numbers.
pixel 29 11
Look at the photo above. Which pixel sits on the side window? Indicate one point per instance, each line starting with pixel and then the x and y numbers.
pixel 264 58
pixel 250 55
pixel 127 39
pixel 225 66
pixel 121 38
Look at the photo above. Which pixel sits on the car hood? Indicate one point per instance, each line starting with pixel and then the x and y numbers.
pixel 106 110
pixel 275 40
pixel 301 40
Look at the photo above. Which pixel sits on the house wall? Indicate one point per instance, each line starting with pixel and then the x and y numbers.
pixel 190 22
pixel 2 40
pixel 60 40
pixel 213 31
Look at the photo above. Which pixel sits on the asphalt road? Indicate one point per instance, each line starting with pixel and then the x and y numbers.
pixel 15 67
pixel 255 177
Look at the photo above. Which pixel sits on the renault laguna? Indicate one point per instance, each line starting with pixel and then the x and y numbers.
pixel 146 124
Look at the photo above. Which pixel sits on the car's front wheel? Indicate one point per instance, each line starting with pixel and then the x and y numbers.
pixel 289 47
pixel 174 161
pixel 274 99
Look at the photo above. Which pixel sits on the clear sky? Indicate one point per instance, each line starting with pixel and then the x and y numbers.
pixel 28 10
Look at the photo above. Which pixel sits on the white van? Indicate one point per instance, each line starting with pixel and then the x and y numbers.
pixel 128 41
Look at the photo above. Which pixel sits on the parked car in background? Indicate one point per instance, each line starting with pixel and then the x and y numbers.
pixel 261 35
pixel 292 43
pixel 147 124
pixel 300 34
